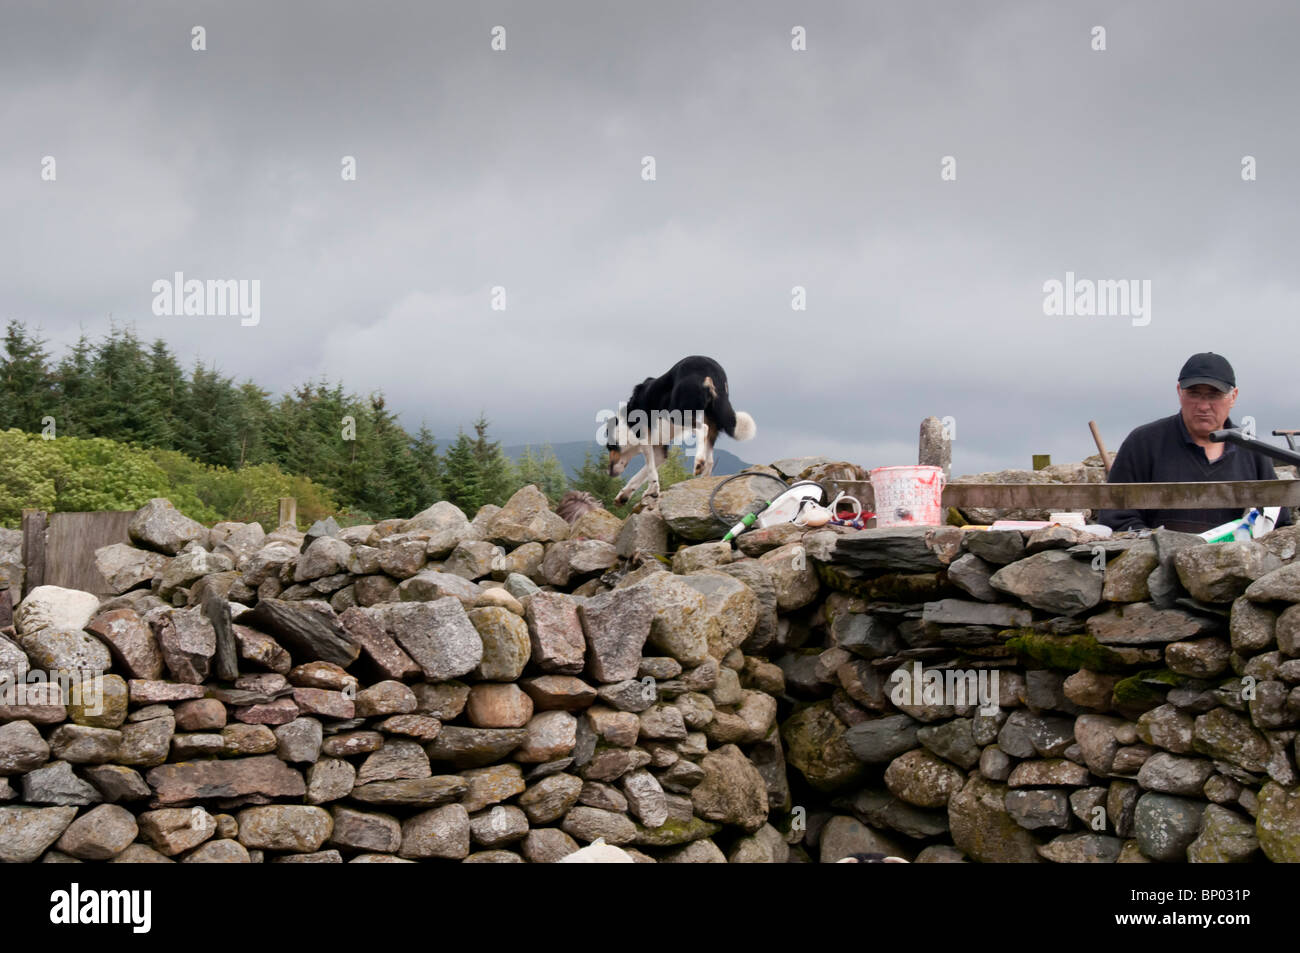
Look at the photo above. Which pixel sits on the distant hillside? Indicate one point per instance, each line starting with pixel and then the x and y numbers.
pixel 570 456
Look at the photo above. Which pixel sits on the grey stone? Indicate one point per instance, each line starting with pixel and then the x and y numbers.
pixel 99 834
pixel 1282 584
pixel 503 824
pixel 1174 774
pixel 1142 624
pixel 26 832
pixel 1277 823
pixel 287 827
pixel 842 836
pixel 995 764
pixel 983 830
pixel 964 612
pixel 892 549
pixel 159 526
pixel 364 830
pixel 953 740
pixel 308 628
pixel 1082 848
pixel 1167 727
pixel 1165 826
pixel 616 625
pixel 1229 736
pixel 971 574
pixel 439 636
pixel 589 824
pixel 878 808
pixel 1052 581
pixel 920 778
pixel 1034 809
pixel 56 784
pixel 1251 626
pixel 1225 838
pixel 1222 572
pixel 996 546
pixel 22 748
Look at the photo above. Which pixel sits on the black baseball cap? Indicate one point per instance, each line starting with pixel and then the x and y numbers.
pixel 1207 368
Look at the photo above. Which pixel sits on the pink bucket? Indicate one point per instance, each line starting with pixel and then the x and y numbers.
pixel 908 496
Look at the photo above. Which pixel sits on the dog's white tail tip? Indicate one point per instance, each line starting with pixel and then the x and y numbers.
pixel 745 426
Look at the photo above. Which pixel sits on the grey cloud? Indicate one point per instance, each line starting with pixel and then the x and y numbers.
pixel 775 169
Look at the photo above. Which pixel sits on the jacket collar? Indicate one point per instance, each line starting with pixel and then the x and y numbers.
pixel 1187 436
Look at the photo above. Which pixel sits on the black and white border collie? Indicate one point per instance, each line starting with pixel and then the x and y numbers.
pixel 690 402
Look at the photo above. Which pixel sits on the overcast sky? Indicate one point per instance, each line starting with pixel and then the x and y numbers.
pixel 775 169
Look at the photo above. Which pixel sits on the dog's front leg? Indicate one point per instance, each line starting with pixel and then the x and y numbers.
pixel 651 452
pixel 629 488
pixel 703 452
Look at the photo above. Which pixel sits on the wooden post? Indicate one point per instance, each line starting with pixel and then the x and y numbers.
pixel 289 511
pixel 1042 461
pixel 936 445
pixel 1101 447
pixel 34 522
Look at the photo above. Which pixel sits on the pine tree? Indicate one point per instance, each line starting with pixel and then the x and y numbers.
pixel 73 389
pixel 119 375
pixel 211 425
pixel 306 433
pixel 26 384
pixel 673 469
pixel 429 468
pixel 543 470
pixel 394 477
pixel 593 476
pixel 462 476
pixel 495 469
pixel 252 414
pixel 165 389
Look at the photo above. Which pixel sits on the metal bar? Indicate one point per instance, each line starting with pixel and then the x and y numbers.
pixel 1110 496
pixel 1290 437
pixel 1259 446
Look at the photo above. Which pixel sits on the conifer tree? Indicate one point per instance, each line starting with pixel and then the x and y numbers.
pixel 543 470
pixel 428 468
pixel 494 467
pixel 26 387
pixel 462 476
pixel 593 477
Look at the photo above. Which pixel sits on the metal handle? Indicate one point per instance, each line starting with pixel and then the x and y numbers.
pixel 1259 446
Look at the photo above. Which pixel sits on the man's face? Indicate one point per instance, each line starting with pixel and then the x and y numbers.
pixel 1205 408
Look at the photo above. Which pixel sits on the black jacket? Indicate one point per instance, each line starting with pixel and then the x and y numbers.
pixel 1164 452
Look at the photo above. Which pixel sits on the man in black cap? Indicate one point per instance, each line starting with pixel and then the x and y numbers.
pixel 1178 449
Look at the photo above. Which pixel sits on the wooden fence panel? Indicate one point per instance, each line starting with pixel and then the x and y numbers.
pixel 70 543
pixel 34 525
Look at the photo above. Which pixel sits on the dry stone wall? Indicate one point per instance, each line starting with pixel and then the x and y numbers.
pixel 507 688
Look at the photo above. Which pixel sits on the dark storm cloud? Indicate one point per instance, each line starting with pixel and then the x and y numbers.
pixel 775 169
